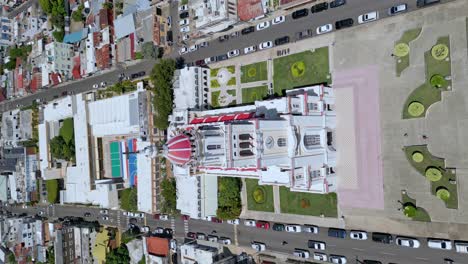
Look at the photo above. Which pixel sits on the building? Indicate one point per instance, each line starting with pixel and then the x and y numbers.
pixel 156 250
pixel 6 38
pixel 191 88
pixel 202 252
pixel 72 245
pixel 59 59
pixel 211 16
pixel 287 141
pixel 16 127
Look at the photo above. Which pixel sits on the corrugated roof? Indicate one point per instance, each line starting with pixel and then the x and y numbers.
pixel 157 246
pixel 124 26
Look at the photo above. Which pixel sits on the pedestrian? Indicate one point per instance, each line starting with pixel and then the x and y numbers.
pixel 392 55
pixel 424 136
pixel 284 243
pixel 213 232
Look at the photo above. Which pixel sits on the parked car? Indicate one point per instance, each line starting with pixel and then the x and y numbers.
pixel 235 34
pixel 223 38
pixel 200 62
pixel 397 9
pixel 212 238
pixel 104 211
pixel 258 246
pixel 184 15
pixel 358 235
pixel 263 25
pixel 250 49
pixel 337 3
pixel 311 229
pixel 130 214
pixel 233 53
pixel 204 44
pixel 338 259
pixel 324 29
pixel 249 222
pixel 158 230
pixel 348 22
pixel 336 232
pixel 201 236
pixel 300 13
pixel 382 237
pixel 304 34
pixel 183 50
pixel 423 3
pixel 247 30
pixel 319 7
pixel 369 261
pixel 210 60
pixel 95 86
pixel 371 16
pixel 216 220
pixel 221 57
pixel 193 48
pixel 185 29
pixel 144 229
pixel 105 218
pixel 225 240
pixel 439 244
pixel 278 20
pixel 265 45
pixel 316 244
pixel 141 215
pixel 184 22
pixel 262 224
pixel 40 213
pixel 185 37
pixel 293 228
pixel 320 256
pixel 301 253
pixel 138 74
pixel 183 8
pixel 173 245
pixel 282 41
pixel 407 242
pixel 278 227
pixel 233 221
pixel 461 246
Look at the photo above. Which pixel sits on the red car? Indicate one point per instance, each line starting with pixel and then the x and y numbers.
pixel 191 234
pixel 185 217
pixel 263 224
pixel 216 220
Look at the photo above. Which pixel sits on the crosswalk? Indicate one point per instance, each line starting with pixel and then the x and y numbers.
pixel 186 227
pixel 173 223
pixel 118 218
pixel 236 242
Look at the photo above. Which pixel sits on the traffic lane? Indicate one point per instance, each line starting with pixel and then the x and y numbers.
pixel 207 228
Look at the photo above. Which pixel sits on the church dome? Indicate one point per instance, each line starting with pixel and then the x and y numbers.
pixel 178 150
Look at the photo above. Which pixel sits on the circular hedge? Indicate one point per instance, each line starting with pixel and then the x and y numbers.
pixel 438 81
pixel 298 69
pixel 259 195
pixel 417 157
pixel 401 49
pixel 252 72
pixel 415 109
pixel 433 174
pixel 440 51
pixel 443 193
pixel 409 210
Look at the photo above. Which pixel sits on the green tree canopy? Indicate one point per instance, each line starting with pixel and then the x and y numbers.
pixel 161 77
pixel 229 200
pixel 119 255
pixel 149 50
pixel 169 193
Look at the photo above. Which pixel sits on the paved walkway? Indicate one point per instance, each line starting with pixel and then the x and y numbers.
pixel 276 199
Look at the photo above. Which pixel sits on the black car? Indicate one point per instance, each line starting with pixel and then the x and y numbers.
pixel 369 261
pixel 184 15
pixel 423 3
pixel 336 232
pixel 337 3
pixel 382 238
pixel 87 214
pixel 300 13
pixel 138 74
pixel 200 62
pixel 319 7
pixel 282 40
pixel 344 23
pixel 221 57
pixel 278 227
pixel 223 38
pixel 247 30
pixel 304 34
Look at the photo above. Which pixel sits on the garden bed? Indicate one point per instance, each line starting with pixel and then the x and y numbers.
pixel 254 72
pixel 308 203
pixel 267 203
pixel 252 94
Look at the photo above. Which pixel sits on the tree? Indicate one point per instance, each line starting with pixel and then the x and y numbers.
pixel 149 50
pixel 229 200
pixel 161 77
pixel 107 5
pixel 46 6
pixel 169 194
pixel 10 65
pixel 58 35
pixel 11 259
pixel 77 16
pixel 50 256
pixel 119 255
pixel 59 149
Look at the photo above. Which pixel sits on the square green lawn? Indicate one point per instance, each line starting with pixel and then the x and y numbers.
pixel 316 204
pixel 254 72
pixel 52 191
pixel 66 131
pixel 300 69
pixel 128 199
pixel 250 95
pixel 267 205
pixel 214 99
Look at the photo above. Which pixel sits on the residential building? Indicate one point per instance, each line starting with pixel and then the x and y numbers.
pixel 16 127
pixel 211 16
pixel 202 252
pixel 59 59
pixel 6 37
pixel 72 245
pixel 156 250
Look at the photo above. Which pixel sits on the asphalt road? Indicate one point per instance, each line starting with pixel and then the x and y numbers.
pixel 21 8
pixel 386 253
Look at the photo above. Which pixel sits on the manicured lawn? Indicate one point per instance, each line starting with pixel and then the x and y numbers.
pixel 66 131
pixel 52 191
pixel 430 161
pixel 214 83
pixel 128 199
pixel 214 72
pixel 267 205
pixel 308 203
pixel 421 214
pixel 250 95
pixel 232 81
pixel 254 72
pixel 425 93
pixel 214 99
pixel 231 69
pixel 300 69
pixel 407 37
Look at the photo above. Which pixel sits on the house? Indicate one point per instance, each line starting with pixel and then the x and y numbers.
pixel 59 61
pixel 203 252
pixel 156 249
pixel 16 127
pixel 213 15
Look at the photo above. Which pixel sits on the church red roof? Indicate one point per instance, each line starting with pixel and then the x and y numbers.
pixel 178 149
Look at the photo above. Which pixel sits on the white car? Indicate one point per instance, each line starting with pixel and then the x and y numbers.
pixel 193 48
pixel 40 213
pixel 210 60
pixel 278 20
pixel 145 229
pixel 316 245
pixel 293 228
pixel 183 50
pixel 407 242
pixel 265 45
pixel 164 217
pixel 185 37
pixel 184 22
pixel 212 238
pixel 311 229
pixel 258 246
pixel 125 213
pixel 104 211
pixel 439 244
pixel 461 247
pixel 233 221
pixel 338 259
pixel 324 29
pixel 225 241
pixel 204 44
pixel 250 49
pixel 397 9
pixel 185 29
pixel 320 256
pixel 105 218
pixel 173 245
pixel 263 25
pixel 103 84
pixel 141 215
pixel 183 8
pixel 233 53
pixel 301 253
pixel 95 86
pixel 158 230
pixel 371 16
pixel 358 235
pixel 249 222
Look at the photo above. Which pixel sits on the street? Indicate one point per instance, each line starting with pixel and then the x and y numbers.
pixel 243 235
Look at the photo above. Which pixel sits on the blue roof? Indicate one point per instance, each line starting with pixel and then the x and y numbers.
pixel 75 36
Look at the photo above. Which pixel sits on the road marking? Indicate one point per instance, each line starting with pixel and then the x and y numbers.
pixel 421 258
pixel 186 227
pixel 173 224
pixel 235 236
pixel 386 253
pixel 358 249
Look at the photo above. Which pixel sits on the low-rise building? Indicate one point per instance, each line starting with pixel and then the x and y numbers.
pixel 16 127
pixel 212 16
pixel 6 36
pixel 156 250
pixel 59 59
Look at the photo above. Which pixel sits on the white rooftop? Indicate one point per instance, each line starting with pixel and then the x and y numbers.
pixel 145 186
